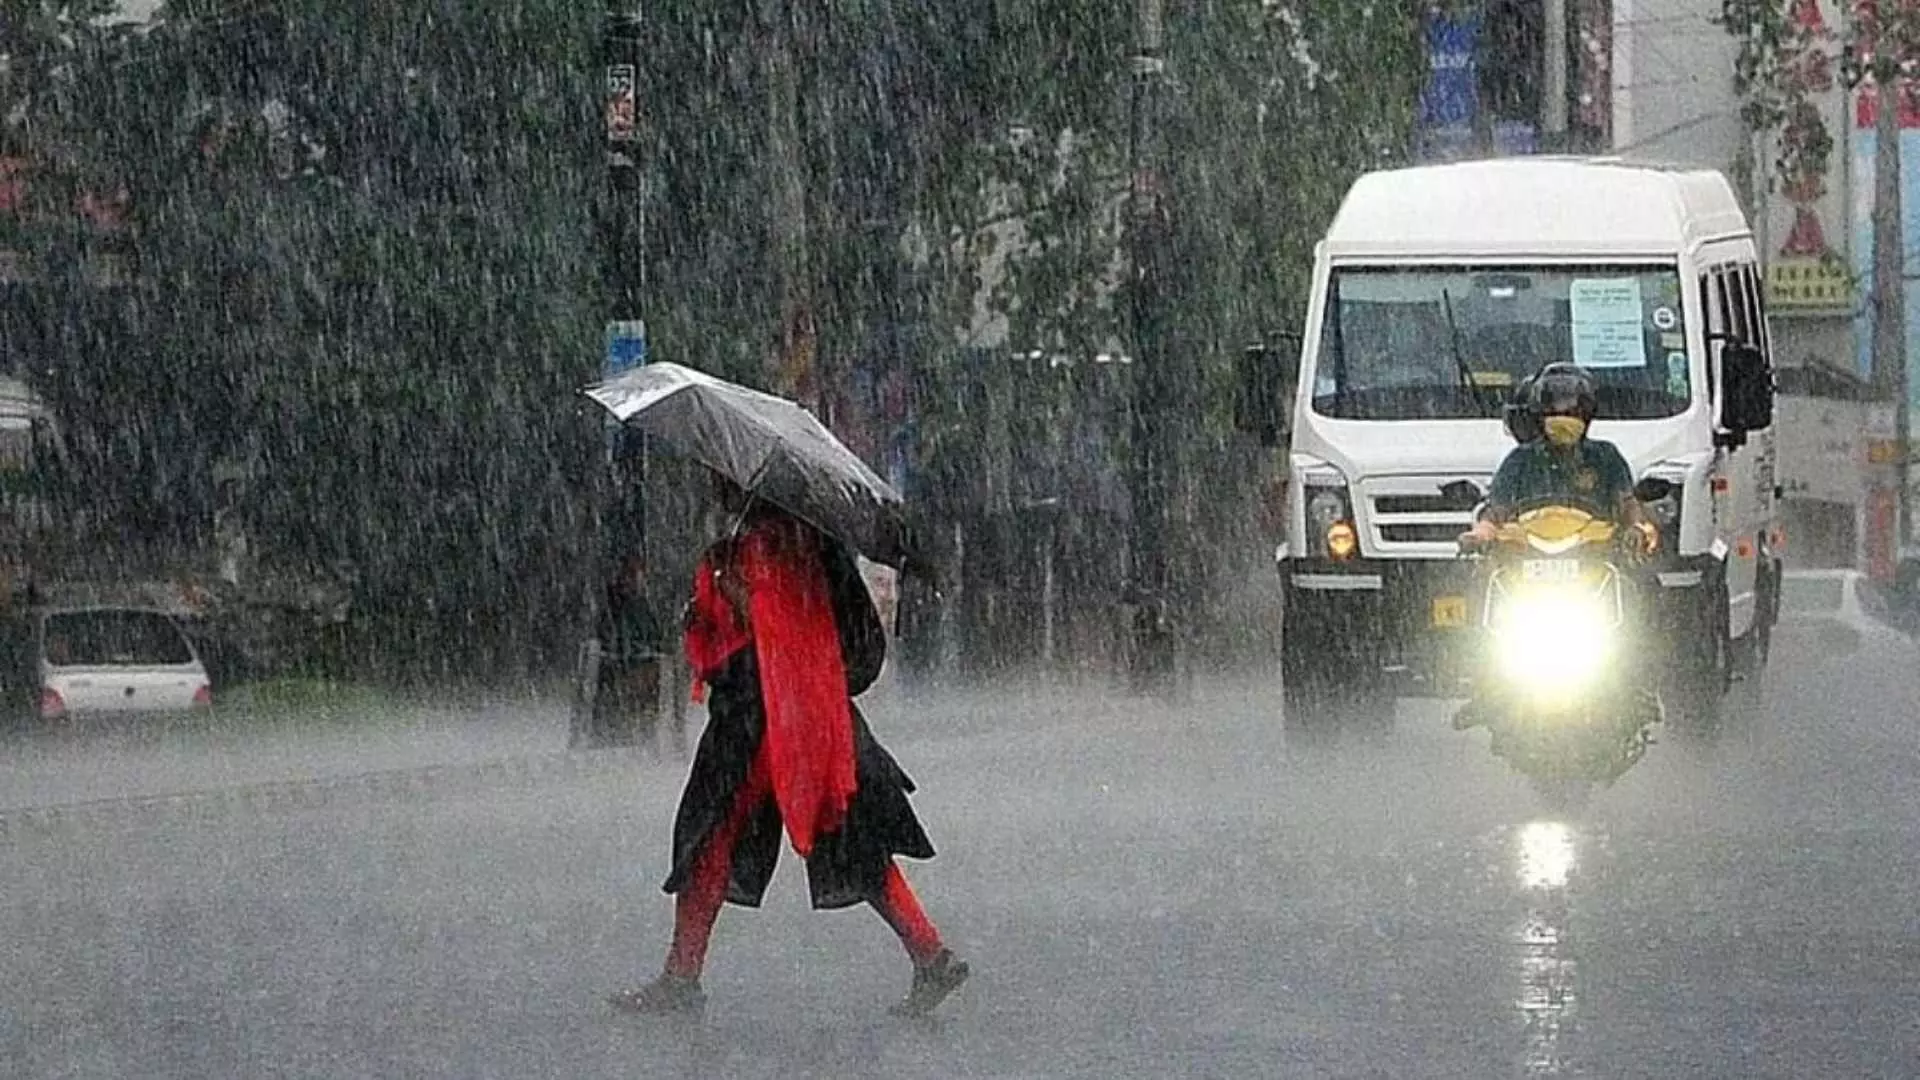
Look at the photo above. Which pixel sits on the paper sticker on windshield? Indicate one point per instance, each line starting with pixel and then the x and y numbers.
pixel 1677 374
pixel 1607 315
pixel 1664 318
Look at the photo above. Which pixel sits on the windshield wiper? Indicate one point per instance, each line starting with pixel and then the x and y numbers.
pixel 1467 383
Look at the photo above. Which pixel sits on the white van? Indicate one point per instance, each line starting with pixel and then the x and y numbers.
pixel 1435 292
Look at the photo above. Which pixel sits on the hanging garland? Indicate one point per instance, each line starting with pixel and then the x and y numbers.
pixel 1785 59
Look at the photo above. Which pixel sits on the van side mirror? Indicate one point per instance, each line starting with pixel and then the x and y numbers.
pixel 1264 382
pixel 1747 401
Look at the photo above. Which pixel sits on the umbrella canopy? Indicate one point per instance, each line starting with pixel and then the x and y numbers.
pixel 770 446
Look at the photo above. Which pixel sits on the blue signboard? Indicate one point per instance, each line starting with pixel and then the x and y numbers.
pixel 1513 137
pixel 626 346
pixel 1450 98
pixel 1450 101
pixel 626 350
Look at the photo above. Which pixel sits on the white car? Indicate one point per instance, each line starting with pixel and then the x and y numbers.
pixel 114 659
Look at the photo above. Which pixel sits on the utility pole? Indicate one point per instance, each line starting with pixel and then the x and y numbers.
pixel 623 263
pixel 786 173
pixel 1553 85
pixel 1154 638
pixel 1889 275
pixel 616 487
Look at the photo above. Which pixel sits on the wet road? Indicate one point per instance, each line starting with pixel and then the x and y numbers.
pixel 1143 893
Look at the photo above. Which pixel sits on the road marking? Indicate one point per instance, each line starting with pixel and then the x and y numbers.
pixel 308 794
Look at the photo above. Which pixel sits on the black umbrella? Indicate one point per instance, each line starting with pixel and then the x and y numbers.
pixel 770 446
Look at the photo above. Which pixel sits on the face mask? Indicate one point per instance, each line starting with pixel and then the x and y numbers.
pixel 1565 430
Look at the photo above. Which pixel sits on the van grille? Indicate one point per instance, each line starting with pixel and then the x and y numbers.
pixel 1422 534
pixel 1413 516
pixel 1426 504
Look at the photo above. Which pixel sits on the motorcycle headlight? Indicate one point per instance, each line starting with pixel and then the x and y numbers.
pixel 1330 530
pixel 1554 639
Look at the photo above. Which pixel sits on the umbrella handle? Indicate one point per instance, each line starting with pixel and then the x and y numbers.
pixel 752 485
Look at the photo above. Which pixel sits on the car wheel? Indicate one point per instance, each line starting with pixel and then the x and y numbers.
pixel 1763 629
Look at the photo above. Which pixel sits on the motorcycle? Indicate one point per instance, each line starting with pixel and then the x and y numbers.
pixel 1561 685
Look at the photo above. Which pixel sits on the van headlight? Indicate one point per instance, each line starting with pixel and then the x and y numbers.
pixel 1553 639
pixel 1329 513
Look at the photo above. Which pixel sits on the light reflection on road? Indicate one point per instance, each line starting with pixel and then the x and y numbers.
pixel 1546 855
pixel 1547 999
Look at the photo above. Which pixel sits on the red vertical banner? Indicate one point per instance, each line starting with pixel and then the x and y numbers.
pixel 1882 515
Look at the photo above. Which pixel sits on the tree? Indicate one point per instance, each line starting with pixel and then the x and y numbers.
pixel 365 249
pixel 1273 109
pixel 364 274
pixel 61 207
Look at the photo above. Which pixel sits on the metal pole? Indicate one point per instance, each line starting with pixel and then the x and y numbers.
pixel 951 608
pixel 623 240
pixel 1152 643
pixel 1047 614
pixel 1889 280
pixel 1553 86
pixel 779 50
pixel 616 492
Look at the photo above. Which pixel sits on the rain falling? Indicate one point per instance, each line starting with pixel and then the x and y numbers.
pixel 1042 538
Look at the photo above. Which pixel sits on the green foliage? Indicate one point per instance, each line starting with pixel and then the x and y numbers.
pixel 51 47
pixel 367 241
pixel 50 109
pixel 1781 62
pixel 1785 57
pixel 1268 112
pixel 380 305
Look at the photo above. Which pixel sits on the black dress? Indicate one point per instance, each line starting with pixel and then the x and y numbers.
pixel 848 865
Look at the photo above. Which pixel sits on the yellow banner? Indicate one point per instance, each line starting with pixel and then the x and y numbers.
pixel 1802 285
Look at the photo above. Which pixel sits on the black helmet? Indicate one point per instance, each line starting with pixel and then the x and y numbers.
pixel 1521 417
pixel 1562 389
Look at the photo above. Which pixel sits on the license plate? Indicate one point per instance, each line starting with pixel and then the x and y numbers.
pixel 1449 611
pixel 1549 571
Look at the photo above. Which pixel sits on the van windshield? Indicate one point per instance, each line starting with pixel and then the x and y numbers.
pixel 1451 343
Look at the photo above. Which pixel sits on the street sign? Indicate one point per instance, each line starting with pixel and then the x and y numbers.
pixel 626 350
pixel 626 345
pixel 622 108
pixel 1809 285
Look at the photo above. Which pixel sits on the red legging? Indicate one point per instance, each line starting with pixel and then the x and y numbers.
pixel 698 905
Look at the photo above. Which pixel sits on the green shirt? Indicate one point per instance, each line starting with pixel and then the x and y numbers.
pixel 1590 473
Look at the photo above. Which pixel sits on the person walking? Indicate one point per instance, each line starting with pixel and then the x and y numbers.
pixel 782 634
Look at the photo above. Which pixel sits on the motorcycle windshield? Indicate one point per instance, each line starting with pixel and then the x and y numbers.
pixel 1558 529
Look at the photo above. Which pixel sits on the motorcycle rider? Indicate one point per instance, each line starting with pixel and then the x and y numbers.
pixel 1556 459
pixel 1561 461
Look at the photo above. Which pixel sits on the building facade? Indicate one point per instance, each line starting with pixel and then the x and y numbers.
pixel 1654 80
